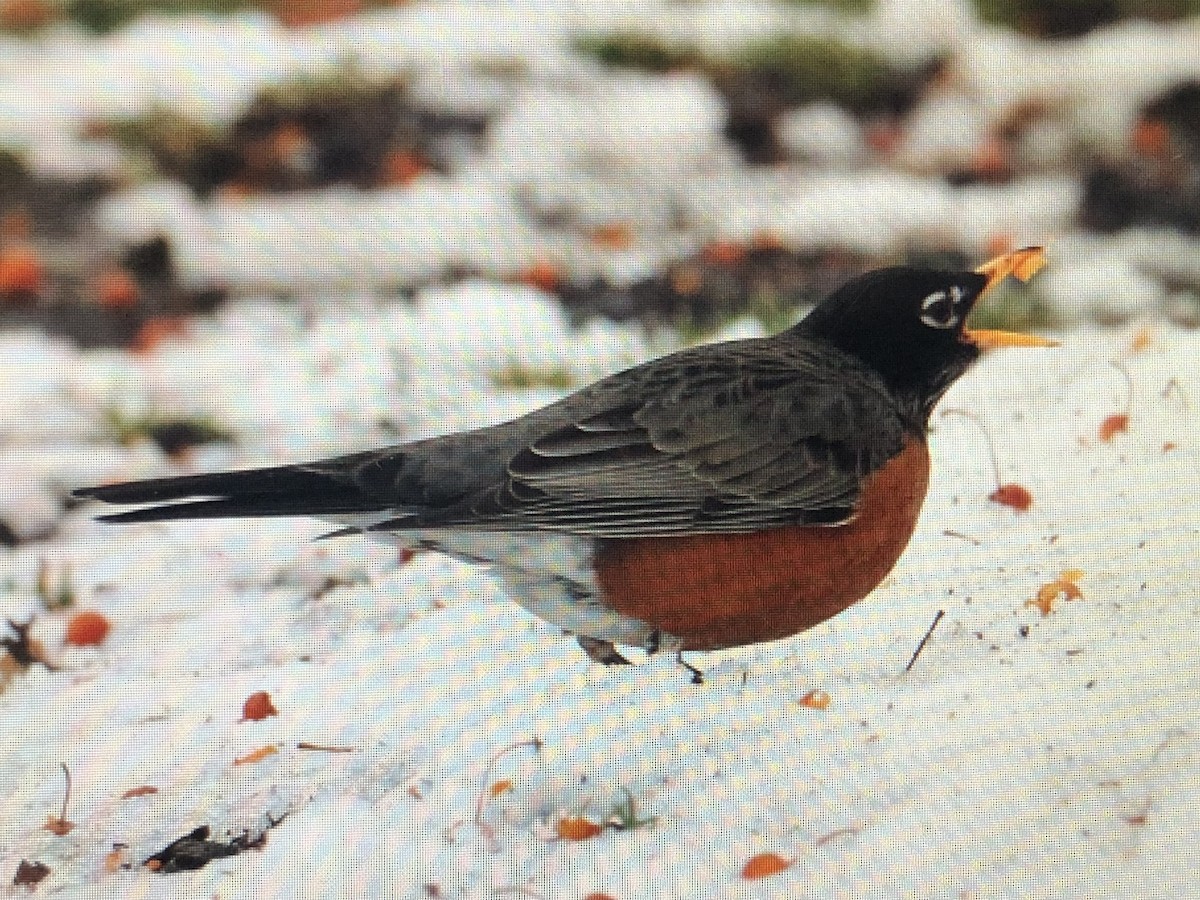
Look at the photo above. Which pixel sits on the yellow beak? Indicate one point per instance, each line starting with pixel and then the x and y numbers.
pixel 1021 264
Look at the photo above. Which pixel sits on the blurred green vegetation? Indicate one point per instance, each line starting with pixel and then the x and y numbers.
pixel 846 6
pixel 518 377
pixel 1014 307
pixel 12 163
pixel 171 433
pixel 1071 18
pixel 165 135
pixel 795 67
pixel 103 16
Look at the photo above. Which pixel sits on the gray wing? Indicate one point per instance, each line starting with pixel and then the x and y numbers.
pixel 739 439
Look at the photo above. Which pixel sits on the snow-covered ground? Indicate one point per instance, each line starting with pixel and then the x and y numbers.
pixel 1025 754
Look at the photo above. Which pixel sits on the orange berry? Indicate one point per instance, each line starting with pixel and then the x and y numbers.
pixel 723 253
pixel 21 269
pixel 156 330
pixel 115 288
pixel 26 15
pixel 503 786
pixel 301 13
pixel 768 240
pixel 87 629
pixel 543 274
pixel 402 167
pixel 613 236
pixel 1151 138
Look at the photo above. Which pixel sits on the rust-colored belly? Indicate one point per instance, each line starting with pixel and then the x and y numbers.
pixel 725 590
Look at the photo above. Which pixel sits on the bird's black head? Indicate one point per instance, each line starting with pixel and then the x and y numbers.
pixel 907 324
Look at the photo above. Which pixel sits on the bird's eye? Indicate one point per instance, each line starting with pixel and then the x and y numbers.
pixel 937 310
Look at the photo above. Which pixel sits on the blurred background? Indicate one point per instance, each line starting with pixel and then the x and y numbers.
pixel 691 169
pixel 676 163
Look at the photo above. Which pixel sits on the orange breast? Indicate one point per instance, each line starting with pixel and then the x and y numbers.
pixel 725 590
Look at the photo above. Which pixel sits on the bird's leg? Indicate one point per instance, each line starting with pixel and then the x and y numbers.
pixel 697 675
pixel 653 642
pixel 601 651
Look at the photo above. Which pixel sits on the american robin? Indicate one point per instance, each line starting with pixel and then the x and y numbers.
pixel 723 495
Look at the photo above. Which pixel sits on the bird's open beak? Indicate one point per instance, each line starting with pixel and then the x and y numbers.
pixel 1021 264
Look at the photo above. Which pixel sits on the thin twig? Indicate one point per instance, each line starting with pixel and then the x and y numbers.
pixel 925 640
pixel 987 438
pixel 1128 385
pixel 485 829
pixel 950 532
pixel 67 793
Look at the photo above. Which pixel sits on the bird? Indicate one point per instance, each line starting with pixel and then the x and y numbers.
pixel 723 495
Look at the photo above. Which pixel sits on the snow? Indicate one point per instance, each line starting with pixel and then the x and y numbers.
pixel 872 210
pixel 824 134
pixel 998 758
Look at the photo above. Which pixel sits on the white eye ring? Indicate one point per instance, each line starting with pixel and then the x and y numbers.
pixel 937 310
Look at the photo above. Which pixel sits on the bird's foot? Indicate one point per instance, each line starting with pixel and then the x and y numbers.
pixel 601 651
pixel 697 675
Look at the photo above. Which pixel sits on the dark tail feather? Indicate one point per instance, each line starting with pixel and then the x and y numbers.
pixel 276 491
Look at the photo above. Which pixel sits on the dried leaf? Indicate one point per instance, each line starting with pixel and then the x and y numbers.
pixel 30 873
pixel 613 236
pixel 1142 339
pixel 144 791
pixel 116 859
pixel 763 864
pixel 1048 593
pixel 816 700
pixel 58 826
pixel 258 706
pixel 1012 495
pixel 577 828
pixel 256 755
pixel 503 786
pixel 1113 425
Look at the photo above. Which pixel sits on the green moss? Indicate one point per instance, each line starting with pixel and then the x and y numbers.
pixel 103 16
pixel 1070 18
pixel 516 377
pixel 167 136
pixel 56 593
pixel 636 50
pixel 845 6
pixel 796 68
pixel 342 82
pixel 804 68
pixel 12 163
pixel 171 433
